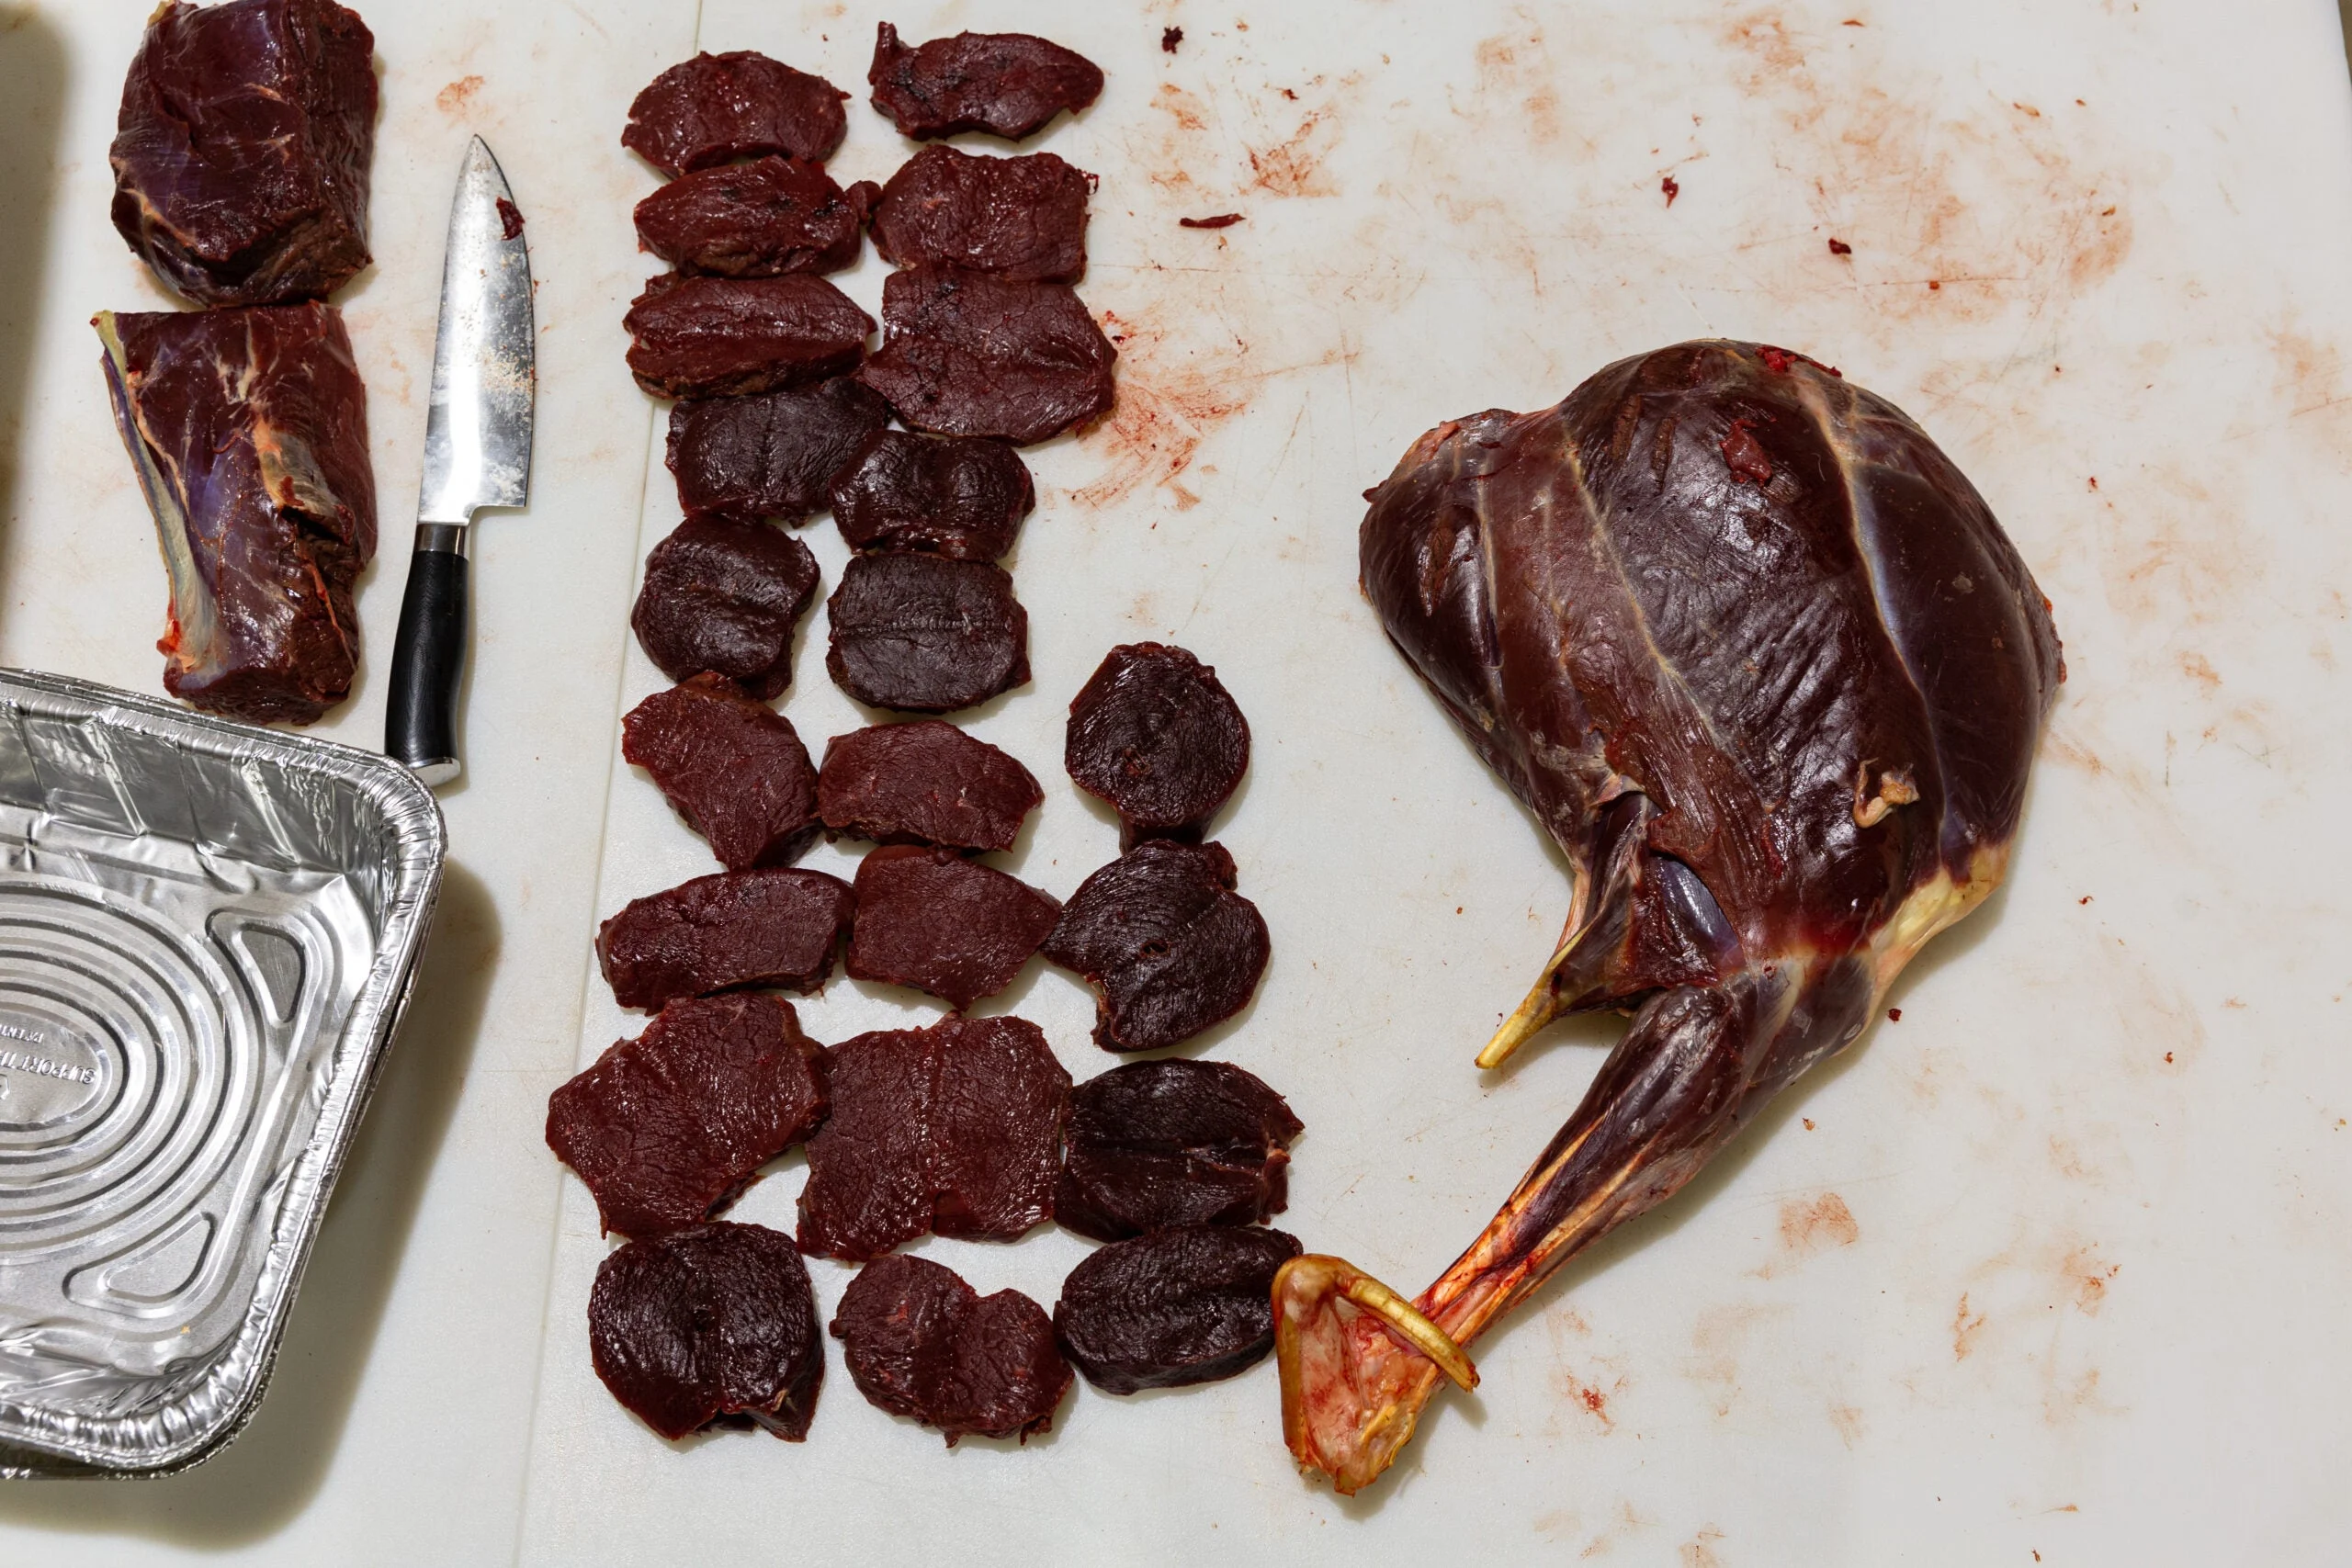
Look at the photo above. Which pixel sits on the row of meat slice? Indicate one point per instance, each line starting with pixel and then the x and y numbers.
pixel 956 1130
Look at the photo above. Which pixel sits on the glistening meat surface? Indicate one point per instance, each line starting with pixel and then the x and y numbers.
pixel 1762 662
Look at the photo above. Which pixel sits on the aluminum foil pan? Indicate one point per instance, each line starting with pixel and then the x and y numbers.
pixel 206 934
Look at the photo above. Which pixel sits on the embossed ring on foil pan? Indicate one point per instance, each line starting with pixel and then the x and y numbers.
pixel 206 934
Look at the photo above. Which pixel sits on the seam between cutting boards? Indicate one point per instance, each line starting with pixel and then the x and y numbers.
pixel 589 977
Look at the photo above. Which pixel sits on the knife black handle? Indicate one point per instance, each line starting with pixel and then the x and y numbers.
pixel 429 657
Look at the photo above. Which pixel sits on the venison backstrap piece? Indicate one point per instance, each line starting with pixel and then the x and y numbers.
pixel 1762 662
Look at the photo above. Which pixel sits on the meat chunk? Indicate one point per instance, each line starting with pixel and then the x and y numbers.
pixel 669 1126
pixel 732 767
pixel 925 634
pixel 764 927
pixel 729 337
pixel 954 1129
pixel 724 597
pixel 970 355
pixel 929 919
pixel 1173 1143
pixel 1188 1305
pixel 716 108
pixel 1157 735
pixel 709 1326
pixel 920 1342
pixel 772 455
pixel 956 497
pixel 757 220
pixel 241 155
pixel 1168 944
pixel 1008 85
pixel 925 783
pixel 1023 219
pixel 249 433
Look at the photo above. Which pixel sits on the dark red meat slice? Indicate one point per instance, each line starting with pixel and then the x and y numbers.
pixel 920 1342
pixel 729 337
pixel 929 919
pixel 1180 1306
pixel 970 355
pixel 767 926
pixel 241 156
pixel 1173 1143
pixel 668 1126
pixel 773 456
pixel 777 215
pixel 1008 85
pixel 925 634
pixel 956 497
pixel 1166 941
pixel 249 431
pixel 724 597
pixel 954 1129
pixel 733 768
pixel 1155 734
pixel 718 108
pixel 1018 218
pixel 714 1324
pixel 926 781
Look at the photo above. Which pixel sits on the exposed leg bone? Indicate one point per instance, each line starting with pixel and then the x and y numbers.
pixel 1696 1065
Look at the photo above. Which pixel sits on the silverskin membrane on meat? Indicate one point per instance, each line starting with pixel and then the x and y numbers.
pixel 1763 663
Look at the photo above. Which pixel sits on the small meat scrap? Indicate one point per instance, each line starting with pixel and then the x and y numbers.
pixel 1019 217
pixel 755 220
pixel 712 1326
pixel 925 783
pixel 957 496
pixel 920 1342
pixel 773 456
pixel 926 634
pixel 1173 1143
pixel 1155 734
pixel 716 108
pixel 769 926
pixel 249 433
pixel 965 353
pixel 732 767
pixel 1008 85
pixel 729 337
pixel 1166 941
pixel 669 1126
pixel 241 155
pixel 724 597
pixel 1192 1305
pixel 929 919
pixel 954 1129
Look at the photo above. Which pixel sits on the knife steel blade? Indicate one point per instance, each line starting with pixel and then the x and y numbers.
pixel 477 454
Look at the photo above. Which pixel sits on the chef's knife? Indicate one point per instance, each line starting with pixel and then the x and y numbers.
pixel 477 454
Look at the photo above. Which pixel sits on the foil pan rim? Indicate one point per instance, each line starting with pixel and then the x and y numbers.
pixel 196 1422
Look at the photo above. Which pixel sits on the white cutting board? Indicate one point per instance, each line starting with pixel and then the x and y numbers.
pixel 2056 1264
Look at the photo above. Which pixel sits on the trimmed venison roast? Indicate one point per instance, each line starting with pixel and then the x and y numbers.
pixel 242 150
pixel 1763 663
pixel 249 431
